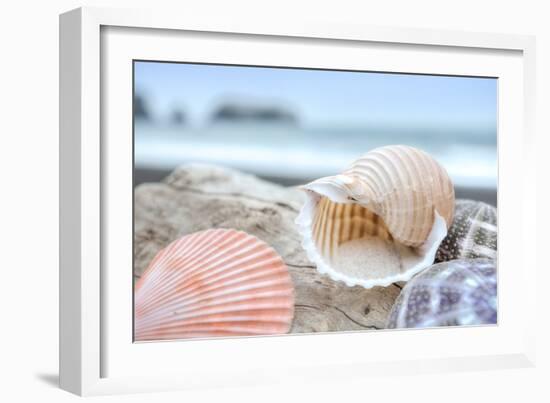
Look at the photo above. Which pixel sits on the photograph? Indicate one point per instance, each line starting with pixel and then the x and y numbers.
pixel 277 200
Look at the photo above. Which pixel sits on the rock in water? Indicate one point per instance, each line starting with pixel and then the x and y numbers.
pixel 456 293
pixel 198 197
pixel 473 233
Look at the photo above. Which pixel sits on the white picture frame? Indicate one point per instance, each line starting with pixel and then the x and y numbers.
pixel 97 355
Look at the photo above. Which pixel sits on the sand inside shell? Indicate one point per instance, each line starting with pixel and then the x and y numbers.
pixel 350 243
pixel 373 257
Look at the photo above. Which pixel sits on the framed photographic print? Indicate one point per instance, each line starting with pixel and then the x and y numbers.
pixel 237 197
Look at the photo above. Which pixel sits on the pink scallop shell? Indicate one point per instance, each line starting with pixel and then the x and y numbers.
pixel 212 283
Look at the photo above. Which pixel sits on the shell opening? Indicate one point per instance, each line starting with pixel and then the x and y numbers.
pixel 351 243
pixel 349 235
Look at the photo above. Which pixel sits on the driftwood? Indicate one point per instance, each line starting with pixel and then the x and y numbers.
pixel 198 197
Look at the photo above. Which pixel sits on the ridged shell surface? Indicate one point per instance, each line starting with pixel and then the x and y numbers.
pixel 403 186
pixel 395 193
pixel 212 283
pixel 455 293
pixel 473 233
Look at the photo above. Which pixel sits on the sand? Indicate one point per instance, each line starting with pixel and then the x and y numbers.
pixel 374 257
pixel 368 257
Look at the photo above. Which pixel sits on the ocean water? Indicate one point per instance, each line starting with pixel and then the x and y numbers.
pixel 291 154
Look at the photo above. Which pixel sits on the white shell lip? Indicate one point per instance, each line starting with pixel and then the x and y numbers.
pixel 305 219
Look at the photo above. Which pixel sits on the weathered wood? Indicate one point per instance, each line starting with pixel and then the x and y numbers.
pixel 197 197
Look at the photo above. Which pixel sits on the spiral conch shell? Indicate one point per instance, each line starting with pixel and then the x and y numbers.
pixel 381 220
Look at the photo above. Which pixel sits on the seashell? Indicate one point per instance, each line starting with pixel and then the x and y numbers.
pixel 455 293
pixel 218 282
pixel 473 233
pixel 381 220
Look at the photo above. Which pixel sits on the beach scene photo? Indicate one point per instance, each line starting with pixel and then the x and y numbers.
pixel 276 200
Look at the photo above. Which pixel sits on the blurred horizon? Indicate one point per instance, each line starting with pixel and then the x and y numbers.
pixel 321 98
pixel 315 121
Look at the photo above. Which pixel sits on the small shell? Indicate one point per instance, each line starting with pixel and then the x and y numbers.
pixel 214 283
pixel 396 193
pixel 456 293
pixel 473 233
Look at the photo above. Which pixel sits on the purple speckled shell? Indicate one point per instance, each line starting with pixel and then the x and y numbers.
pixel 473 233
pixel 456 293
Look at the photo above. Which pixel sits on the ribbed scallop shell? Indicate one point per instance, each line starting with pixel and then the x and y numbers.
pixel 218 282
pixel 455 293
pixel 397 193
pixel 473 233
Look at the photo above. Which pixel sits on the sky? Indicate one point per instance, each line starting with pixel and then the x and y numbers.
pixel 320 97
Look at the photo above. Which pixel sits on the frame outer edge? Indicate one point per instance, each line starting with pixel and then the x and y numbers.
pixel 172 18
pixel 531 268
pixel 79 162
pixel 91 352
pixel 70 119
